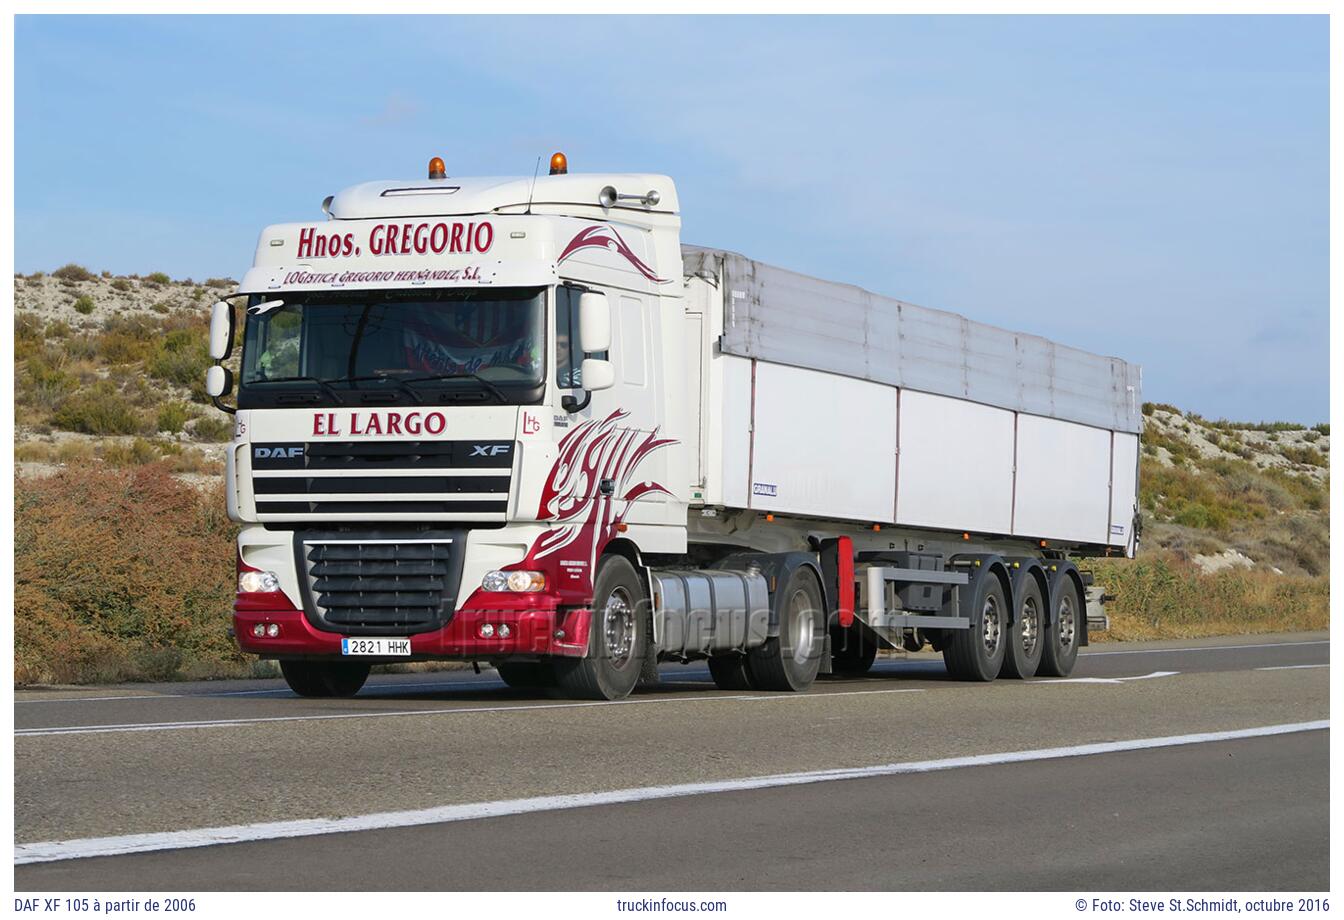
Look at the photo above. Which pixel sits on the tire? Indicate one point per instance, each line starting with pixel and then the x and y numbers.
pixel 1026 638
pixel 618 637
pixel 853 651
pixel 324 678
pixel 730 672
pixel 526 675
pixel 1059 652
pixel 977 653
pixel 790 661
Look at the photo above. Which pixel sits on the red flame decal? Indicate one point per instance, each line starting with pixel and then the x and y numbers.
pixel 605 237
pixel 585 517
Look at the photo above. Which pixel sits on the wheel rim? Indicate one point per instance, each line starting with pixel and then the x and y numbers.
pixel 618 625
pixel 800 623
pixel 1031 626
pixel 1066 622
pixel 990 622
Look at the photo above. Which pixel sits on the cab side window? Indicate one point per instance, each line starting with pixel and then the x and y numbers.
pixel 568 356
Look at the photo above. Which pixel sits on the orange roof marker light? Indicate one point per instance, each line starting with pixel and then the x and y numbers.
pixel 436 169
pixel 559 164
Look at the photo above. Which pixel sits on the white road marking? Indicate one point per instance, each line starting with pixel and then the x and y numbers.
pixel 1104 680
pixel 263 720
pixel 55 850
pixel 1293 667
pixel 408 686
pixel 1201 648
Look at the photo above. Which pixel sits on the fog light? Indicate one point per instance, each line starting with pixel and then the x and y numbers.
pixel 487 630
pixel 259 629
pixel 255 582
pixel 504 631
pixel 273 630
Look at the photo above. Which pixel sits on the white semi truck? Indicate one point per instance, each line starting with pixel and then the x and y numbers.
pixel 516 421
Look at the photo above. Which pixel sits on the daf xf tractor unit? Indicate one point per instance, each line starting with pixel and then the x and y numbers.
pixel 515 421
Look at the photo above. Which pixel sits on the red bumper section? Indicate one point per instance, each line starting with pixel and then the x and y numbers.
pixel 536 625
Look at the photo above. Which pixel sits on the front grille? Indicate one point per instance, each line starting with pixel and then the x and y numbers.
pixel 443 480
pixel 380 585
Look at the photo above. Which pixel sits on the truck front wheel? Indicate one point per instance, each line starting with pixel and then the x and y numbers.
pixel 324 678
pixel 617 637
pixel 526 675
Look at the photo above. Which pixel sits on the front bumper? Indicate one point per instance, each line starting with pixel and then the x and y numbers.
pixel 537 626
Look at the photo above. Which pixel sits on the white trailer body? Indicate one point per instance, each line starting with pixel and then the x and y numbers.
pixel 518 421
pixel 829 401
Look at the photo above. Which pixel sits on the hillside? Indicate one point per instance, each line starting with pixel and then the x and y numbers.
pixel 117 446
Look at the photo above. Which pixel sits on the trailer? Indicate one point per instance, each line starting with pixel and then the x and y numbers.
pixel 517 421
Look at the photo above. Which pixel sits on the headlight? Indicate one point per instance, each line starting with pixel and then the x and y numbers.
pixel 253 582
pixel 516 581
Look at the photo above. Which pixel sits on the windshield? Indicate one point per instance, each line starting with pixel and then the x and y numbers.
pixel 393 348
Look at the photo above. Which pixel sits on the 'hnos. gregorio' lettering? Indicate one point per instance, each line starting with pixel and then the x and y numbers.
pixel 399 240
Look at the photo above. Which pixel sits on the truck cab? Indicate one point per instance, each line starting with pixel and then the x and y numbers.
pixel 451 399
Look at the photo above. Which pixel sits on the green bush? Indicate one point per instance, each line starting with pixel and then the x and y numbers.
pixel 173 416
pixel 158 278
pixel 73 272
pixel 84 304
pixel 212 428
pixel 101 410
pixel 121 284
pixel 181 357
pixel 1306 455
pixel 57 329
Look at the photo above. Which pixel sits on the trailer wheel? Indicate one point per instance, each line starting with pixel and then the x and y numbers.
pixel 977 653
pixel 1026 639
pixel 526 675
pixel 617 637
pixel 790 661
pixel 730 672
pixel 1059 652
pixel 853 651
pixel 324 678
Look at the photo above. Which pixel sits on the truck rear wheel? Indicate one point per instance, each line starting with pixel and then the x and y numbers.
pixel 790 661
pixel 324 678
pixel 853 651
pixel 977 653
pixel 526 675
pixel 1059 652
pixel 1026 637
pixel 617 637
pixel 730 672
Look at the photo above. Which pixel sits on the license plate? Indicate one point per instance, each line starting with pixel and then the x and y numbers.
pixel 389 648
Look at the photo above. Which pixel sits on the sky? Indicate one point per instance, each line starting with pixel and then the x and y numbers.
pixel 1149 187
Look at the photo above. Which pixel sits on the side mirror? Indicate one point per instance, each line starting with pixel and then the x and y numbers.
pixel 218 381
pixel 594 324
pixel 597 374
pixel 221 331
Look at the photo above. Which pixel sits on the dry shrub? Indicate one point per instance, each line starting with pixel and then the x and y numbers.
pixel 1161 596
pixel 120 574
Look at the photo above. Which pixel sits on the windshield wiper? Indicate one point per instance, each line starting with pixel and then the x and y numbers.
pixel 494 390
pixel 324 384
pixel 401 384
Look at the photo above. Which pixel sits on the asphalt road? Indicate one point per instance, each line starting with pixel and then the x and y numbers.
pixel 456 782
